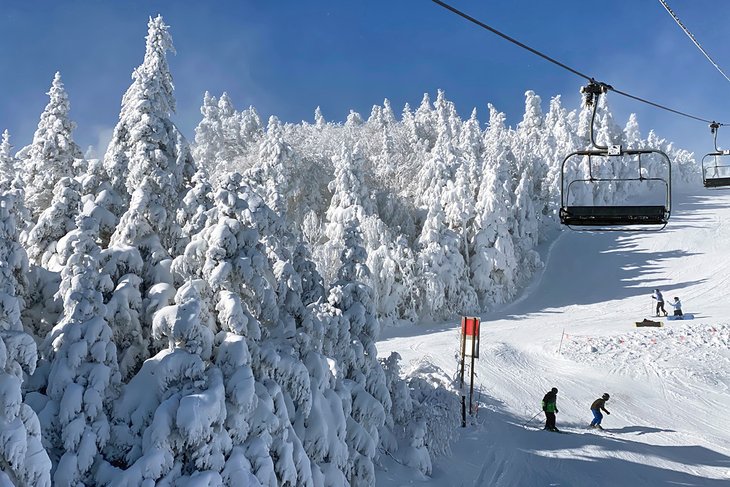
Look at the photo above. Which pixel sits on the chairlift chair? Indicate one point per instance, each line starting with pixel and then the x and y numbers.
pixel 716 165
pixel 627 217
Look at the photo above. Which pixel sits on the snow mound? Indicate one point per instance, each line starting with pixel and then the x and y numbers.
pixel 697 351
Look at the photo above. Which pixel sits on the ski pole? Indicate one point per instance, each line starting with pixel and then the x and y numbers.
pixel 530 420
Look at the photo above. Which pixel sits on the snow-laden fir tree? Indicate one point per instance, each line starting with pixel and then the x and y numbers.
pixel 493 261
pixel 194 209
pixel 7 160
pixel 531 151
pixel 441 267
pixel 23 458
pixel 351 200
pixel 53 223
pixel 230 127
pixel 272 177
pixel 83 374
pixel 442 242
pixel 561 140
pixel 208 137
pixel 364 390
pixel 311 281
pixel 225 139
pixel 168 423
pixel 147 151
pixel 229 254
pixel 424 123
pixel 138 230
pixel 124 307
pixel 52 152
pixel 251 127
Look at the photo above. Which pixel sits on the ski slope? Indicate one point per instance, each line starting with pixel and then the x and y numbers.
pixel 670 386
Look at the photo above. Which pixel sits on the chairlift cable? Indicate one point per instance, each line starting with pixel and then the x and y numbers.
pixel 693 38
pixel 565 66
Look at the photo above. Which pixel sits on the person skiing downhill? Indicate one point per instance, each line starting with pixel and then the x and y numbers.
pixel 659 302
pixel 598 405
pixel 677 305
pixel 549 405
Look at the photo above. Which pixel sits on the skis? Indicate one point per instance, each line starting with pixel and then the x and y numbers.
pixel 551 431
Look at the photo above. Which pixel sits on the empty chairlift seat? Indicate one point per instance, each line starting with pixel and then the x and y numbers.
pixel 716 169
pixel 605 216
pixel 716 165
pixel 611 188
pixel 617 216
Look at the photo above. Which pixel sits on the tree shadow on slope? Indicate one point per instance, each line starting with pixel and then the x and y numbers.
pixel 639 430
pixel 585 269
pixel 501 451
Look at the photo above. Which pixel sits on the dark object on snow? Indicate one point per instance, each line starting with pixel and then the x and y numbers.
pixel 649 323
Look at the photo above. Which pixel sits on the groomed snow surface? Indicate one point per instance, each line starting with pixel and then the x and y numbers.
pixel 669 386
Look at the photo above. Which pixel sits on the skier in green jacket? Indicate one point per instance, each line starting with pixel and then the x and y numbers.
pixel 596 407
pixel 549 405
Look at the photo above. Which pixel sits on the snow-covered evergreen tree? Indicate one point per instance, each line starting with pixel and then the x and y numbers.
pixel 124 307
pixel 272 176
pixel 23 458
pixel 53 223
pixel 562 140
pixel 147 151
pixel 208 134
pixel 53 151
pixel 531 155
pixel 364 392
pixel 83 376
pixel 351 200
pixel 194 208
pixel 493 260
pixel 168 422
pixel 7 160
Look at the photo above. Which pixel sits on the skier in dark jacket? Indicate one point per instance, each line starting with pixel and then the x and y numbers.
pixel 549 405
pixel 659 302
pixel 596 408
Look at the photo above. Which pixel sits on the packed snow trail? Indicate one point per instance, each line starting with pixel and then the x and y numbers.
pixel 669 386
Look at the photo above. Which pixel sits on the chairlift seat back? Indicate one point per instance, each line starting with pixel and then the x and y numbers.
pixel 607 216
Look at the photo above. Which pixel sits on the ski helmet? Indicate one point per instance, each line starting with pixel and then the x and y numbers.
pixel 606 396
pixel 554 389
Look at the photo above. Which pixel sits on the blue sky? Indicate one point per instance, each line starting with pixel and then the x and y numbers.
pixel 286 57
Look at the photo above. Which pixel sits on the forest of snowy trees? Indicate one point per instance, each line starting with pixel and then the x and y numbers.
pixel 207 313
